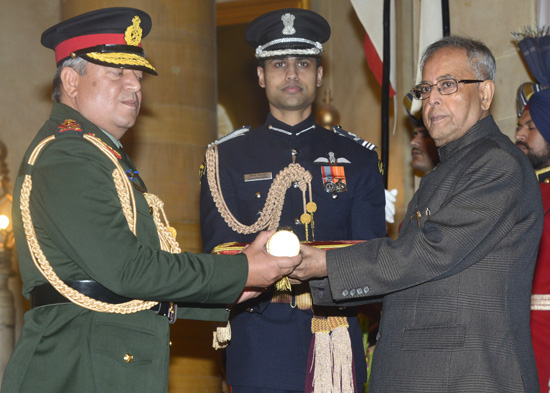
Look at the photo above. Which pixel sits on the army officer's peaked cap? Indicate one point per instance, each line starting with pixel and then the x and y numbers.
pixel 288 32
pixel 110 37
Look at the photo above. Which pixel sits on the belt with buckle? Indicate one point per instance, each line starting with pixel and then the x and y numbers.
pixel 47 295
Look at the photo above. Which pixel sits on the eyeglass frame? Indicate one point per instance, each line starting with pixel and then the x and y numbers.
pixel 465 81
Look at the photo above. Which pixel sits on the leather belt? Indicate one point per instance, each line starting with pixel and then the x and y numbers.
pixel 47 295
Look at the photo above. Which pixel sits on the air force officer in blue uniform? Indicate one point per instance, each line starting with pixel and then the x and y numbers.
pixel 271 339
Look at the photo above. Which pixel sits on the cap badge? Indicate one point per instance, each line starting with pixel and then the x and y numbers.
pixel 133 33
pixel 288 21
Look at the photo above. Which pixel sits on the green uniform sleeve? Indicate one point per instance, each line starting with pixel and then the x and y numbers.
pixel 84 234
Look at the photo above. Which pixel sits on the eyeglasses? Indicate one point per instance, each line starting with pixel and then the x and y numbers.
pixel 444 86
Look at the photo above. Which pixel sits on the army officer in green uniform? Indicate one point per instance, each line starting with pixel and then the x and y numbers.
pixel 95 254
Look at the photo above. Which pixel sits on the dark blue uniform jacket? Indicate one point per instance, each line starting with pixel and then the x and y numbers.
pixel 269 347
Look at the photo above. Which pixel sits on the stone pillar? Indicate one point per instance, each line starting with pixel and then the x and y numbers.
pixel 7 312
pixel 177 121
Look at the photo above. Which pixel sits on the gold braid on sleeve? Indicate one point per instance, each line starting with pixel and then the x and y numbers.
pixel 126 195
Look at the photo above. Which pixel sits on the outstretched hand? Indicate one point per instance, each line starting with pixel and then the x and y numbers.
pixel 263 268
pixel 313 264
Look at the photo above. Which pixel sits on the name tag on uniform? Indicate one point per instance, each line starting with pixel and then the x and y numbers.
pixel 258 176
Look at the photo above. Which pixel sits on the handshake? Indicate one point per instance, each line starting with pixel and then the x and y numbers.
pixel 265 269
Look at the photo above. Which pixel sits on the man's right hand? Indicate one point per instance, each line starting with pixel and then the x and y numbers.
pixel 263 268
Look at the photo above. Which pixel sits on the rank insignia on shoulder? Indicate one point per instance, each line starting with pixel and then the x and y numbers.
pixel 69 125
pixel 339 131
pixel 240 132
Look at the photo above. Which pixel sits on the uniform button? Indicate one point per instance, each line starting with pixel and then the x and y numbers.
pixel 352 292
pixel 366 290
pixel 345 292
pixel 295 184
pixel 359 291
pixel 259 213
pixel 294 152
pixel 258 195
pixel 151 210
pixel 297 221
pixel 546 181
pixel 128 358
pixel 250 310
pixel 334 196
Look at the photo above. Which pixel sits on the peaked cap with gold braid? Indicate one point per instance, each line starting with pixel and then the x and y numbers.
pixel 110 37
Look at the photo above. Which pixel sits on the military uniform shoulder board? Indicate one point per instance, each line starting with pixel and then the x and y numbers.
pixel 231 135
pixel 339 131
pixel 69 126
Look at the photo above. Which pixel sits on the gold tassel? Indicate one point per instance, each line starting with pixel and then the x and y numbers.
pixel 283 284
pixel 322 378
pixel 342 357
pixel 221 336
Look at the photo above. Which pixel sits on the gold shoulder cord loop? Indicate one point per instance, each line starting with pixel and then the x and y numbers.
pixel 271 213
pixel 126 195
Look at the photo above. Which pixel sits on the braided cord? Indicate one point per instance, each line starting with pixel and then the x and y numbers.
pixel 271 213
pixel 127 199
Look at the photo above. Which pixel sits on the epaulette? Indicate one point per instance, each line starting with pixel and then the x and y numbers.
pixel 231 135
pixel 339 131
pixel 69 126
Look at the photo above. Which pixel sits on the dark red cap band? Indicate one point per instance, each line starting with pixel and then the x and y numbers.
pixel 65 48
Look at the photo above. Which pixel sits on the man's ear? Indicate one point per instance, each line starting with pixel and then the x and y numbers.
pixel 69 81
pixel 319 76
pixel 261 76
pixel 486 92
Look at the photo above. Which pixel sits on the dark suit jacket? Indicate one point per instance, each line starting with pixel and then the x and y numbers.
pixel 457 281
pixel 79 222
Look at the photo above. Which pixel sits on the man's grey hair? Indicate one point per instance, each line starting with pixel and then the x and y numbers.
pixel 78 64
pixel 480 58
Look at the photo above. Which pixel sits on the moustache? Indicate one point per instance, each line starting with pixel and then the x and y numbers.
pixel 520 143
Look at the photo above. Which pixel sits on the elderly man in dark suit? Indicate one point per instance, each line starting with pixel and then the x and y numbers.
pixel 457 281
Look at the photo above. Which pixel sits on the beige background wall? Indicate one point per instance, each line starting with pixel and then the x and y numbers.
pixel 26 70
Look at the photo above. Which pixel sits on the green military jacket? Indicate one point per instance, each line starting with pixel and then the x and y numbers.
pixel 79 223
